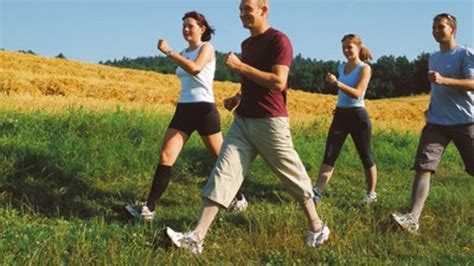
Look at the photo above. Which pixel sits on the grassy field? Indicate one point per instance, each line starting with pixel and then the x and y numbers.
pixel 64 177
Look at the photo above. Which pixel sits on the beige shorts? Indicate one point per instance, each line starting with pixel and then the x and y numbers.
pixel 248 137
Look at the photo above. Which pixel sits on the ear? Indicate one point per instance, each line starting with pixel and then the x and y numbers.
pixel 265 9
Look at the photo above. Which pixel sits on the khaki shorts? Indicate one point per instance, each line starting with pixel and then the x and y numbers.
pixel 246 138
pixel 435 138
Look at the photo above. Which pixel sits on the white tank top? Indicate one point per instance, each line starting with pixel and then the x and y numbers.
pixel 196 88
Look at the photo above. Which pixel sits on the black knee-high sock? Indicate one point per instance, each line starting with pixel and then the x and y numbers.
pixel 159 185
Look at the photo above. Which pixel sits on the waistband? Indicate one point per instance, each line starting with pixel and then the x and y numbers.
pixel 349 109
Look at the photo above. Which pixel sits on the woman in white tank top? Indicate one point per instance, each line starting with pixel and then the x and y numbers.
pixel 350 116
pixel 196 109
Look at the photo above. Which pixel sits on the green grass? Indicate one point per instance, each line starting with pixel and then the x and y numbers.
pixel 65 177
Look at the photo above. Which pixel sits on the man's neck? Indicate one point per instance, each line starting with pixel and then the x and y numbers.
pixel 447 46
pixel 260 29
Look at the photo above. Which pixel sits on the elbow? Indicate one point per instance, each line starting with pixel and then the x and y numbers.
pixel 356 96
pixel 194 71
pixel 279 85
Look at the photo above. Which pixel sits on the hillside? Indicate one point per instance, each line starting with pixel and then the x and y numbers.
pixel 29 82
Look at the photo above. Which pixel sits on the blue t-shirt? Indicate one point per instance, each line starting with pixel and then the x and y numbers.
pixel 351 80
pixel 449 106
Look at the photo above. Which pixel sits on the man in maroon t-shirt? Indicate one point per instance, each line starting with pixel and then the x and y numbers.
pixel 260 127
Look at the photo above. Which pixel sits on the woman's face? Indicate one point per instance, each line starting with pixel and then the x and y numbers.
pixel 350 49
pixel 191 30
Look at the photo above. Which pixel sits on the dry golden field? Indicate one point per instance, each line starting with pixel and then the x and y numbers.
pixel 29 83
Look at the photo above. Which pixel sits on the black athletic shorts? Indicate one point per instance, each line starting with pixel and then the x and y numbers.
pixel 201 116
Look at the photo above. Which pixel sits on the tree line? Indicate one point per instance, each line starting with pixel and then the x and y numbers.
pixel 392 76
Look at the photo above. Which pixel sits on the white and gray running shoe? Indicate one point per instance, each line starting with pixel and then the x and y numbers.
pixel 314 239
pixel 407 222
pixel 140 212
pixel 186 241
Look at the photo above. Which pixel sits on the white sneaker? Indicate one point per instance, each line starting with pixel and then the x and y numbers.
pixel 187 241
pixel 369 197
pixel 142 212
pixel 314 239
pixel 316 195
pixel 407 222
pixel 238 205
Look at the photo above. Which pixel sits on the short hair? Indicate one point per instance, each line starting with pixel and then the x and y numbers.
pixel 450 18
pixel 260 3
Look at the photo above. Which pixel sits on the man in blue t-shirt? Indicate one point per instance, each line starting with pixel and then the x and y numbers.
pixel 450 115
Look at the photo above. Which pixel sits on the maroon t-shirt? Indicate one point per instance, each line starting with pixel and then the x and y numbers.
pixel 262 52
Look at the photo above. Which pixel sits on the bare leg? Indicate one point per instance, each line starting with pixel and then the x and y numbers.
pixel 213 143
pixel 173 142
pixel 314 222
pixel 371 178
pixel 419 194
pixel 325 173
pixel 208 214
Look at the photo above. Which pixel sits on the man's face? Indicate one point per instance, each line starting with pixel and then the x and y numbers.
pixel 442 30
pixel 251 14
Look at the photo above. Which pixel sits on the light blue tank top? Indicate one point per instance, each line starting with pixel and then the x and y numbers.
pixel 198 88
pixel 351 79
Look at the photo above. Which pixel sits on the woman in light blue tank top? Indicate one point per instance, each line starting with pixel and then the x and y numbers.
pixel 350 116
pixel 196 109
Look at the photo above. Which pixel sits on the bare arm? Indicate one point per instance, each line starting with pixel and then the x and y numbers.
pixel 276 79
pixel 458 84
pixel 357 91
pixel 205 55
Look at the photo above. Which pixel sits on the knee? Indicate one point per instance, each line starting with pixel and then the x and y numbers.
pixel 368 162
pixel 167 158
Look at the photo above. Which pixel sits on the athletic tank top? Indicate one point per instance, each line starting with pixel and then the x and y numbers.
pixel 196 88
pixel 351 79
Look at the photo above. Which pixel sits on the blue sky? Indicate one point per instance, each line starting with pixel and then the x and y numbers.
pixel 93 30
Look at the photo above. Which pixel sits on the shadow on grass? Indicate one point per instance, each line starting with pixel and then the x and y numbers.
pixel 37 184
pixel 274 193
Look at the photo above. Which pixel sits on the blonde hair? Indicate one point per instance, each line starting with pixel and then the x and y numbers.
pixel 364 53
pixel 261 3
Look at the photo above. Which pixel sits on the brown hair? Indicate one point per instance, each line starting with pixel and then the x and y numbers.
pixel 450 18
pixel 364 53
pixel 201 20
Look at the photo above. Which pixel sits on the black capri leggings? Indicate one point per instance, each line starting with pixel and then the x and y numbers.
pixel 354 121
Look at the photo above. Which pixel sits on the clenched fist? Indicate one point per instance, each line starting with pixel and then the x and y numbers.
pixel 163 46
pixel 435 77
pixel 331 79
pixel 232 61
